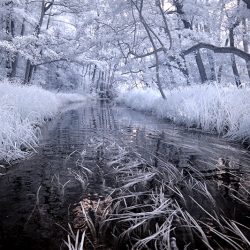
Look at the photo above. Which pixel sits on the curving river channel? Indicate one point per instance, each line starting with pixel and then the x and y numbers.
pixel 37 194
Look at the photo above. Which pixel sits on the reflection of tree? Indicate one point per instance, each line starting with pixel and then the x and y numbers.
pixel 93 118
pixel 227 177
pixel 158 145
pixel 102 116
pixel 170 152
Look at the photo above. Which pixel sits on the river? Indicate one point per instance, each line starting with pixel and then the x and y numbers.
pixel 37 193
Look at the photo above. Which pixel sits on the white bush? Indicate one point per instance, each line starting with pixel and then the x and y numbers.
pixel 22 107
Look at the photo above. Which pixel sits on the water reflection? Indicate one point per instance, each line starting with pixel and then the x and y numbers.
pixel 29 218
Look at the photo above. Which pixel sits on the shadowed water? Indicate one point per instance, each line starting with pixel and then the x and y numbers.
pixel 37 194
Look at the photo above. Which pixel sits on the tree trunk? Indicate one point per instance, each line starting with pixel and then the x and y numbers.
pixel 201 68
pixel 28 72
pixel 235 71
pixel 245 44
pixel 16 56
pixel 185 69
pixel 171 75
pixel 150 37
pixel 210 57
pixel 187 25
pixel 29 67
pixel 233 60
pixel 166 28
pixel 10 27
pixel 219 76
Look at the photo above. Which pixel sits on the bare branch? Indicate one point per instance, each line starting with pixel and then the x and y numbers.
pixel 145 55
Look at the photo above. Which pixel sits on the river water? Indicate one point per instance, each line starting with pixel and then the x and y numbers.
pixel 38 193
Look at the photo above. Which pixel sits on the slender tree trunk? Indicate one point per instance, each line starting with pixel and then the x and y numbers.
pixel 29 67
pixel 171 75
pixel 245 44
pixel 16 56
pixel 210 57
pixel 166 28
pixel 184 70
pixel 233 60
pixel 47 27
pixel 157 61
pixel 201 67
pixel 219 76
pixel 28 72
pixel 49 18
pixel 187 25
pixel 183 65
pixel 90 71
pixel 10 28
pixel 85 71
pixel 235 71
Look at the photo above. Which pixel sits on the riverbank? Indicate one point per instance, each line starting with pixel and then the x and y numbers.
pixel 224 110
pixel 22 110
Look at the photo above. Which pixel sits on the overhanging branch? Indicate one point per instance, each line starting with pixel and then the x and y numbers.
pixel 216 49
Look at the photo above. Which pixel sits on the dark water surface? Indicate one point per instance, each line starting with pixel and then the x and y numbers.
pixel 37 194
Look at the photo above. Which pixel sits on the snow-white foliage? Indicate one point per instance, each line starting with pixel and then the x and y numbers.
pixel 22 108
pixel 209 107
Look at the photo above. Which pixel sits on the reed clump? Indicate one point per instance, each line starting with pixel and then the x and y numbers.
pixel 158 207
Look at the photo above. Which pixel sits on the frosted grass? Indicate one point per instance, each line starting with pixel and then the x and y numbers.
pixel 170 208
pixel 225 110
pixel 22 110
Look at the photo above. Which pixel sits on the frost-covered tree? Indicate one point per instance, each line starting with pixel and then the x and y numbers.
pixel 160 43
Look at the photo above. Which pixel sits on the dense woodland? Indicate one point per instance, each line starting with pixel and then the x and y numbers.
pixel 160 43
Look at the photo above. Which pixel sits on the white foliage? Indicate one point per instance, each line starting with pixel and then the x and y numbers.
pixel 22 108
